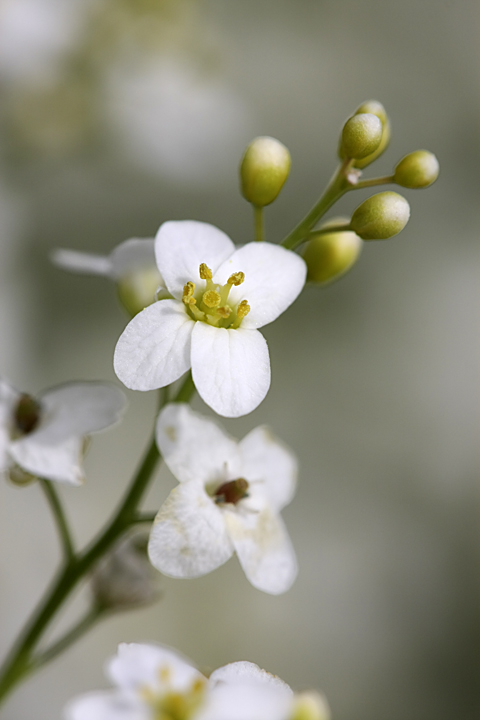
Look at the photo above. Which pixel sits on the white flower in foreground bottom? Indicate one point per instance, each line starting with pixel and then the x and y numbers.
pixel 131 265
pixel 44 435
pixel 221 295
pixel 228 500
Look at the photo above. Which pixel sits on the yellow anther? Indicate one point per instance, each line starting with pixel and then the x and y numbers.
pixel 205 272
pixel 188 291
pixel 236 278
pixel 224 312
pixel 243 309
pixel 211 299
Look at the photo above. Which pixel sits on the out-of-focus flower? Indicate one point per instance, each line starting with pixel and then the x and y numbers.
pixel 229 500
pixel 155 683
pixel 221 295
pixel 131 265
pixel 124 578
pixel 44 436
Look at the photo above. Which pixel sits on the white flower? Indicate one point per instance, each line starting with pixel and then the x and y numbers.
pixel 152 682
pixel 131 265
pixel 44 435
pixel 228 500
pixel 221 295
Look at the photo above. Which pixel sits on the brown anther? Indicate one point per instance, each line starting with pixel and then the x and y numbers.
pixel 188 291
pixel 224 312
pixel 232 492
pixel 27 414
pixel 243 309
pixel 211 299
pixel 205 272
pixel 236 278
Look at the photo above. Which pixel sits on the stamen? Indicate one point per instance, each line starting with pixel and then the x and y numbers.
pixel 211 299
pixel 205 272
pixel 188 291
pixel 27 414
pixel 236 278
pixel 242 311
pixel 232 492
pixel 224 311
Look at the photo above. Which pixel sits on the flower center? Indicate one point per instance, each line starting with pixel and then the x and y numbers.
pixel 231 492
pixel 212 305
pixel 174 705
pixel 26 415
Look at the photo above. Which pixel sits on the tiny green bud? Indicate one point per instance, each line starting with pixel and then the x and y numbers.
pixel 419 169
pixel 381 216
pixel 310 706
pixel 331 255
pixel 375 108
pixel 361 135
pixel 263 171
pixel 138 289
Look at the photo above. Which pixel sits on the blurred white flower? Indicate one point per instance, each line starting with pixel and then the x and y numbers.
pixel 221 296
pixel 229 500
pixel 131 265
pixel 44 436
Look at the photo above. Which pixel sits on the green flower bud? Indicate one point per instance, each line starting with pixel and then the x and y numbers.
pixel 375 108
pixel 264 169
pixel 419 169
pixel 361 135
pixel 138 289
pixel 331 255
pixel 310 706
pixel 381 216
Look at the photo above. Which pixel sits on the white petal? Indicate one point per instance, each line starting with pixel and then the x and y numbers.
pixel 189 538
pixel 76 410
pixel 154 349
pixel 195 447
pixel 274 277
pixel 251 701
pixel 138 665
pixel 81 262
pixel 105 705
pixel 263 548
pixel 60 462
pixel 271 464
pixel 230 368
pixel 246 672
pixel 132 255
pixel 181 247
pixel 8 400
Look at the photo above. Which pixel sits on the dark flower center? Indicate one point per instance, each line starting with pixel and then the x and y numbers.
pixel 231 492
pixel 27 414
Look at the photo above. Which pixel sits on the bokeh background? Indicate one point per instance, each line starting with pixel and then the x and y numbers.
pixel 117 115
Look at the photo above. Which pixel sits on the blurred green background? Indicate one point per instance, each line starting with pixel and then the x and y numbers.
pixel 117 115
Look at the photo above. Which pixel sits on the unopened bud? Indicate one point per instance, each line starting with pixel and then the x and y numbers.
pixel 310 706
pixel 19 476
pixel 361 135
pixel 138 289
pixel 264 169
pixel 125 578
pixel 375 108
pixel 381 216
pixel 331 255
pixel 419 169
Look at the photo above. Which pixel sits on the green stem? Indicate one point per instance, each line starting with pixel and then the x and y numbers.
pixel 19 662
pixel 338 186
pixel 344 227
pixel 374 181
pixel 60 519
pixel 259 224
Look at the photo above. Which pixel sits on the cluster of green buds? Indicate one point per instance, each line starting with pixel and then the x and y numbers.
pixel 332 248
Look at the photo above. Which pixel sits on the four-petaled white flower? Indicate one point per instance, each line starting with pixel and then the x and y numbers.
pixel 44 436
pixel 131 265
pixel 155 683
pixel 228 500
pixel 221 296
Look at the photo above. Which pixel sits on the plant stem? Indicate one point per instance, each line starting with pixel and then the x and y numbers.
pixel 259 224
pixel 387 179
pixel 60 519
pixel 344 227
pixel 20 663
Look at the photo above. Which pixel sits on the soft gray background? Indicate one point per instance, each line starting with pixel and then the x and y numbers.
pixel 375 379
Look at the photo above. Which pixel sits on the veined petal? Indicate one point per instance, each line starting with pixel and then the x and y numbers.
pixel 181 247
pixel 270 463
pixel 76 410
pixel 106 705
pixel 247 672
pixel 194 447
pixel 274 277
pixel 154 349
pixel 249 701
pixel 188 537
pixel 230 368
pixel 82 262
pixel 8 400
pixel 263 548
pixel 139 665
pixel 60 462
